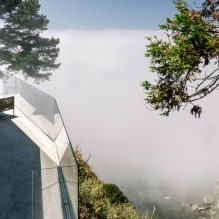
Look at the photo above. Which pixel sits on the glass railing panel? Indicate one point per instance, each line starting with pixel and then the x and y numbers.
pixel 68 165
pixel 10 87
pixel 39 107
pixel 18 97
pixel 62 143
pixel 70 175
pixel 58 124
pixel 69 170
pixel 1 85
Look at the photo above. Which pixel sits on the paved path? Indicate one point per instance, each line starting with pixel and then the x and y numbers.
pixel 19 155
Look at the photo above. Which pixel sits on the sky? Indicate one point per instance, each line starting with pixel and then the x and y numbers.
pixel 107 14
pixel 102 46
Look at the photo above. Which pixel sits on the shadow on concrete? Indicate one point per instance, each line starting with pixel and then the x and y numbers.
pixel 19 155
pixel 69 172
pixel 6 115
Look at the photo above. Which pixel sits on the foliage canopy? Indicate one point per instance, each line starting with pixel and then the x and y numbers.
pixel 22 47
pixel 192 44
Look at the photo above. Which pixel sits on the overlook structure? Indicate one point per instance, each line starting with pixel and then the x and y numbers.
pixel 39 174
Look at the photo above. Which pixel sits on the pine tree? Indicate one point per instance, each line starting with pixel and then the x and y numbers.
pixel 22 48
pixel 7 6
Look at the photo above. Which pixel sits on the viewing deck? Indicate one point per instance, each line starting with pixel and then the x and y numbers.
pixel 38 172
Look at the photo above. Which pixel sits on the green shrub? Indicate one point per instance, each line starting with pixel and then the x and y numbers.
pixel 115 195
pixel 101 201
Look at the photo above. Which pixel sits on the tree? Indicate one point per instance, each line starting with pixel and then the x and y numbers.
pixel 7 6
pixel 22 48
pixel 180 61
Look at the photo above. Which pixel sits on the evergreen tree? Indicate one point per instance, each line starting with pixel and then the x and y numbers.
pixel 7 6
pixel 22 48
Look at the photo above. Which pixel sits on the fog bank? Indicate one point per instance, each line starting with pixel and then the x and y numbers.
pixel 97 88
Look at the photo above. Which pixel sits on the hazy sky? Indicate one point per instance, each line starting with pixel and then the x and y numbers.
pixel 97 88
pixel 104 14
pixel 107 14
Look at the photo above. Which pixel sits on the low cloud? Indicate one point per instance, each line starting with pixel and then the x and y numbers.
pixel 97 87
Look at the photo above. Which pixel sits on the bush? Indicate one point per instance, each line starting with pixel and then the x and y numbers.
pixel 101 201
pixel 115 195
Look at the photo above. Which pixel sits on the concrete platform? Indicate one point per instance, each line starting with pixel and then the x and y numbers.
pixel 29 185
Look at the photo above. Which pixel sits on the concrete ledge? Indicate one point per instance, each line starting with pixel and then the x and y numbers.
pixel 28 165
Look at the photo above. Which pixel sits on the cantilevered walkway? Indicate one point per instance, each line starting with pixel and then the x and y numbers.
pixel 38 172
pixel 19 155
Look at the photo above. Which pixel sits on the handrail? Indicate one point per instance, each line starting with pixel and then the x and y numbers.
pixel 67 133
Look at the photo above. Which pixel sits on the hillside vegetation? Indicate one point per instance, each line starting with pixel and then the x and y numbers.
pixel 101 201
